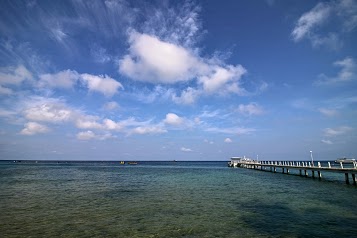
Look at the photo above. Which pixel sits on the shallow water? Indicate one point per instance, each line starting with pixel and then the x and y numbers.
pixel 167 199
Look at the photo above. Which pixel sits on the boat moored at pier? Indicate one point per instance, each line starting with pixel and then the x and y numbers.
pixel 345 160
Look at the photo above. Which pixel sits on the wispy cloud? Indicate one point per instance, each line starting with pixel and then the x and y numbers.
pixel 348 72
pixel 307 23
pixel 250 109
pixel 13 77
pixel 337 131
pixel 310 24
pixel 179 25
pixel 184 149
pixel 90 135
pixel 141 130
pixel 231 130
pixel 111 106
pixel 328 112
pixel 328 142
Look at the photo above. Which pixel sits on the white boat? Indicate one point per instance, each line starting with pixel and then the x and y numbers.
pixel 235 160
pixel 345 160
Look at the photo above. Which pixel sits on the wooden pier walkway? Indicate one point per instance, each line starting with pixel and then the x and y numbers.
pixel 303 167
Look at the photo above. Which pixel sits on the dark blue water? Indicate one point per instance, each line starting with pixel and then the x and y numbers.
pixel 170 199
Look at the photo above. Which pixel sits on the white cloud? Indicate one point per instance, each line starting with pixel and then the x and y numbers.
pixel 310 20
pixel 327 142
pixel 14 76
pixel 173 119
pixel 223 77
pixel 86 135
pixel 179 25
pixel 250 109
pixel 103 84
pixel 331 132
pixel 156 61
pixel 188 96
pixel 347 10
pixel 326 23
pixel 148 130
pixel 228 140
pixel 328 112
pixel 90 135
pixel 47 110
pixel 68 78
pixel 63 79
pixel 153 60
pixel 88 122
pixel 231 130
pixel 184 149
pixel 32 128
pixel 347 73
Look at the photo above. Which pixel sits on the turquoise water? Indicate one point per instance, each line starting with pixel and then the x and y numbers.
pixel 167 199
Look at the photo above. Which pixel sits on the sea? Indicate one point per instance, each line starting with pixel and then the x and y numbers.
pixel 170 199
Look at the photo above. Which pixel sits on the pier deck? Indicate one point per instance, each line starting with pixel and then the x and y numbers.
pixel 303 167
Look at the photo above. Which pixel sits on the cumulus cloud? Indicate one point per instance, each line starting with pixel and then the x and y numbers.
pixel 47 110
pixel 184 149
pixel 223 77
pixel 347 73
pixel 156 61
pixel 331 132
pixel 250 109
pixel 153 60
pixel 173 119
pixel 228 140
pixel 102 83
pixel 32 128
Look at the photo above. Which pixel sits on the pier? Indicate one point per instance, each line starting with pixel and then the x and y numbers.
pixel 304 168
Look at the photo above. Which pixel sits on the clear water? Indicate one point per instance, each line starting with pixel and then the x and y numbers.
pixel 167 199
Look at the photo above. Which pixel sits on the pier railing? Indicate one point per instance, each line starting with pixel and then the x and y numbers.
pixel 303 167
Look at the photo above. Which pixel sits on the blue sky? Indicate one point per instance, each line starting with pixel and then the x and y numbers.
pixel 170 80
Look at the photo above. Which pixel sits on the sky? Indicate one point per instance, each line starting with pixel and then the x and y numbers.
pixel 178 80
